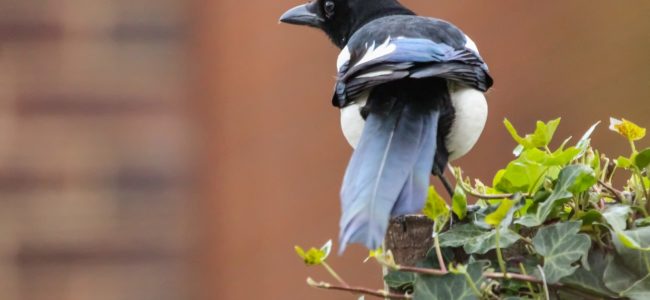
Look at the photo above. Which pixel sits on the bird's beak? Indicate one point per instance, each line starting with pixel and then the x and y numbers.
pixel 303 15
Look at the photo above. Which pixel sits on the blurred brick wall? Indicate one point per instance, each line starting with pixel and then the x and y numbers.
pixel 94 150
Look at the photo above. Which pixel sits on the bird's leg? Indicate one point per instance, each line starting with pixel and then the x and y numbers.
pixel 438 170
pixel 447 185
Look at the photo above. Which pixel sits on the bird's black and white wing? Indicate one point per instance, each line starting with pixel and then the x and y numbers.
pixel 398 47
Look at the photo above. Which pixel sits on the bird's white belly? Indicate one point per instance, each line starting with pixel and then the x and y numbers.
pixel 471 112
pixel 351 120
pixel 470 116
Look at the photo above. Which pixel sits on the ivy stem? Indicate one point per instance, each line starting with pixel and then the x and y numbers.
pixel 645 190
pixel 548 150
pixel 502 264
pixel 523 271
pixel 617 194
pixel 476 194
pixel 472 284
pixel 633 146
pixel 473 193
pixel 603 175
pixel 357 290
pixel 541 271
pixel 441 260
pixel 491 275
pixel 334 274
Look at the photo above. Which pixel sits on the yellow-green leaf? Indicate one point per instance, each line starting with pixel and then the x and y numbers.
pixel 630 242
pixel 623 162
pixel 374 253
pixel 459 203
pixel 627 129
pixel 498 215
pixel 540 138
pixel 436 208
pixel 313 256
pixel 513 132
pixel 544 132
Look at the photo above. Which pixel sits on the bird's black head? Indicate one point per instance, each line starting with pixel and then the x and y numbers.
pixel 339 19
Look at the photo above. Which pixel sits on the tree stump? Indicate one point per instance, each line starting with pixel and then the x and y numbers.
pixel 409 238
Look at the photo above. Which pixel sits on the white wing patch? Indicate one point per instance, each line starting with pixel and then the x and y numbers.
pixel 344 58
pixel 375 74
pixel 378 51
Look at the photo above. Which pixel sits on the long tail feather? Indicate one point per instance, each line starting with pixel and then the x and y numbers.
pixel 388 172
pixel 414 192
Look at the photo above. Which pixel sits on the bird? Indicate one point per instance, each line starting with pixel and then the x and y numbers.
pixel 411 92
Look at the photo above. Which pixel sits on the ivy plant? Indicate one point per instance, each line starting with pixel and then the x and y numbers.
pixel 552 225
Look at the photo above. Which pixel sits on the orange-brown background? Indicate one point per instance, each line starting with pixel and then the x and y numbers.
pixel 180 149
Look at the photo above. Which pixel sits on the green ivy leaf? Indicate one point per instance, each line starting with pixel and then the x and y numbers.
pixel 593 159
pixel 583 143
pixel 561 245
pixel 513 132
pixel 486 242
pixel 505 208
pixel 618 277
pixel 627 274
pixel 450 286
pixel 540 138
pixel 623 162
pixel 642 159
pixel 640 290
pixel 436 208
pixel 460 235
pixel 616 216
pixel 579 179
pixel 544 132
pixel 519 175
pixel 399 280
pixel 313 256
pixel 562 157
pixel 473 239
pixel 591 280
pixel 589 217
pixel 534 155
pixel 573 179
pixel 637 239
pixel 629 265
pixel 642 222
pixel 431 259
pixel 459 203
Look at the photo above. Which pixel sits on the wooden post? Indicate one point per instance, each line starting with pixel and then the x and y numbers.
pixel 409 239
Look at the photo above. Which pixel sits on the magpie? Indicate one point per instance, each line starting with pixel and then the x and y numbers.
pixel 411 94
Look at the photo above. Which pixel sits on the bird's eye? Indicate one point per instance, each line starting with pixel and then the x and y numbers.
pixel 329 8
